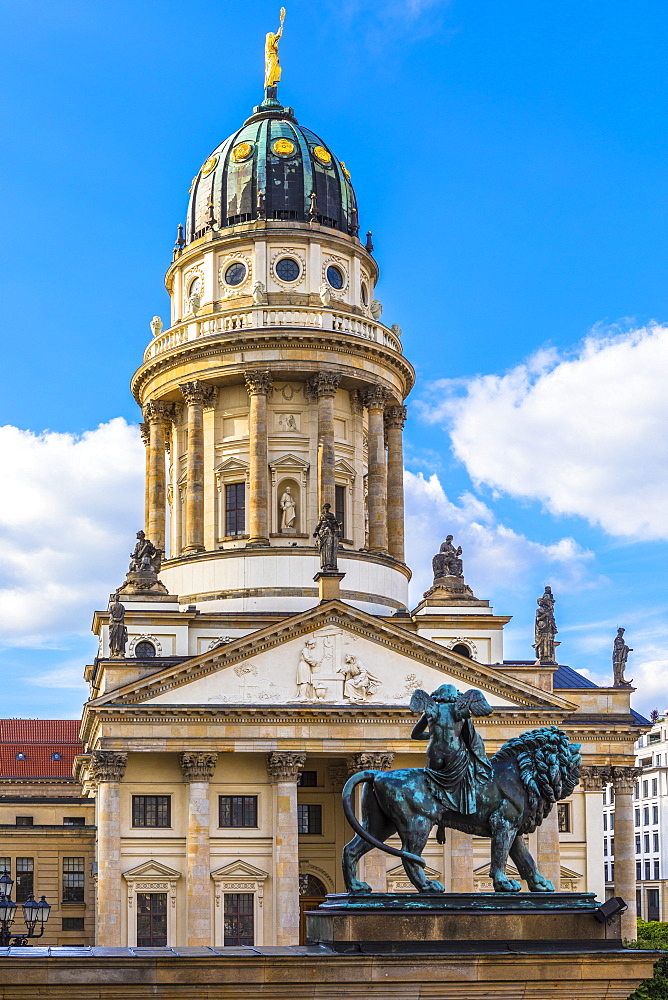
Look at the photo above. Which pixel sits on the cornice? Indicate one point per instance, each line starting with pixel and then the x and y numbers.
pixel 273 339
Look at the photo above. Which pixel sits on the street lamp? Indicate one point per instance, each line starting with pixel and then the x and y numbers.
pixel 34 913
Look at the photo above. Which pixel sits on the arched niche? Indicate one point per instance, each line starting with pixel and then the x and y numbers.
pixel 288 486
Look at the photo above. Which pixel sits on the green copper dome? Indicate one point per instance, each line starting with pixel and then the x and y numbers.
pixel 272 168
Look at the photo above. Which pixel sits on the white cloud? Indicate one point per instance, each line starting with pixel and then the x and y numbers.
pixel 495 556
pixel 65 675
pixel 583 434
pixel 69 508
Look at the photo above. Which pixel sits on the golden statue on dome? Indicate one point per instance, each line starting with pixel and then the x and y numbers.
pixel 272 67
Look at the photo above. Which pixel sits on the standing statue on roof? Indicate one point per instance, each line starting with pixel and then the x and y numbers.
pixel 272 67
pixel 620 652
pixel 118 633
pixel 545 629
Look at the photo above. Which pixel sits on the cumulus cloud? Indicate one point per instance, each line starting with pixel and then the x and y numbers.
pixel 496 556
pixel 69 507
pixel 583 434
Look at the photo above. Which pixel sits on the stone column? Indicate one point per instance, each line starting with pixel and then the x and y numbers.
pixel 375 399
pixel 324 386
pixel 145 431
pixel 258 385
pixel 395 417
pixel 156 415
pixel 107 769
pixel 592 784
pixel 373 866
pixel 284 769
pixel 195 394
pixel 623 779
pixel 549 852
pixel 197 769
pixel 461 861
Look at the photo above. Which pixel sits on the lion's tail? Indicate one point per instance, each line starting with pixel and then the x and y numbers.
pixel 347 794
pixel 549 768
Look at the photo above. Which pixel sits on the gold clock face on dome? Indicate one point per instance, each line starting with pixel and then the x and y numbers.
pixel 283 147
pixel 322 154
pixel 209 165
pixel 242 151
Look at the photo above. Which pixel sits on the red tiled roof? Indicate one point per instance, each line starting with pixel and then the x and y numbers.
pixel 39 740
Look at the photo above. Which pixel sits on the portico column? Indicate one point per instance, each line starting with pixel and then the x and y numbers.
pixel 195 394
pixel 258 385
pixel 197 769
pixel 156 415
pixel 107 769
pixel 145 431
pixel 592 784
pixel 324 386
pixel 623 779
pixel 549 852
pixel 375 399
pixel 284 769
pixel 395 417
pixel 373 866
pixel 461 861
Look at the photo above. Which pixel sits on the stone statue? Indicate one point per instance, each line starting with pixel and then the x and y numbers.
pixel 620 652
pixel 308 661
pixel 156 326
pixel 461 788
pixel 396 330
pixel 328 531
pixel 145 556
pixel 325 294
pixel 376 308
pixel 358 683
pixel 289 508
pixel 259 294
pixel 118 634
pixel 447 561
pixel 545 629
pixel 195 301
pixel 272 67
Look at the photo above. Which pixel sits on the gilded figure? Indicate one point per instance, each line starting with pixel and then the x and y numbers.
pixel 272 67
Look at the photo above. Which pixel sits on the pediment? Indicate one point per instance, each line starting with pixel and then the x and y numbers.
pixel 343 657
pixel 344 468
pixel 399 873
pixel 289 462
pixel 240 870
pixel 232 465
pixel 512 872
pixel 151 870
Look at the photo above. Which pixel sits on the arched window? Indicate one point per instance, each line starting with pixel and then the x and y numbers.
pixel 462 650
pixel 311 886
pixel 144 650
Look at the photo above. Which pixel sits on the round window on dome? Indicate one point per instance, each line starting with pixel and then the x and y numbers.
pixel 364 293
pixel 334 277
pixel 235 273
pixel 144 650
pixel 287 269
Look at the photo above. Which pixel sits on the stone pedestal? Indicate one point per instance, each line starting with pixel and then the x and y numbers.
pixel 329 585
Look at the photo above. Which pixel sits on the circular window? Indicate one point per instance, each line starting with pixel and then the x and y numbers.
pixel 462 650
pixel 287 269
pixel 334 277
pixel 365 295
pixel 144 650
pixel 235 273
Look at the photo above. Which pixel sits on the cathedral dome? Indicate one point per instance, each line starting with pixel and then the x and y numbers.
pixel 270 169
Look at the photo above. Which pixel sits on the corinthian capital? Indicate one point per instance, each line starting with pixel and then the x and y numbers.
pixel 198 766
pixel 594 779
pixel 285 766
pixel 145 432
pixel 375 397
pixel 370 760
pixel 258 383
pixel 108 765
pixel 395 416
pixel 623 778
pixel 198 392
pixel 324 384
pixel 156 410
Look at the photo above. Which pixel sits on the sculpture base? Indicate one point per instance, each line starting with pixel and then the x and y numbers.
pixel 455 922
pixel 143 582
pixel 329 584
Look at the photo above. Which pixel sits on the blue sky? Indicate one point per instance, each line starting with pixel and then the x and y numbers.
pixel 510 159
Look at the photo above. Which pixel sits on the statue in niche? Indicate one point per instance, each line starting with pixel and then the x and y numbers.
pixel 620 652
pixel 118 633
pixel 545 629
pixel 447 561
pixel 145 556
pixel 308 661
pixel 288 511
pixel 328 532
pixel 358 684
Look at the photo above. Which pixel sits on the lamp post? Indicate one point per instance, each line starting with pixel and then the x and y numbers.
pixel 34 914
